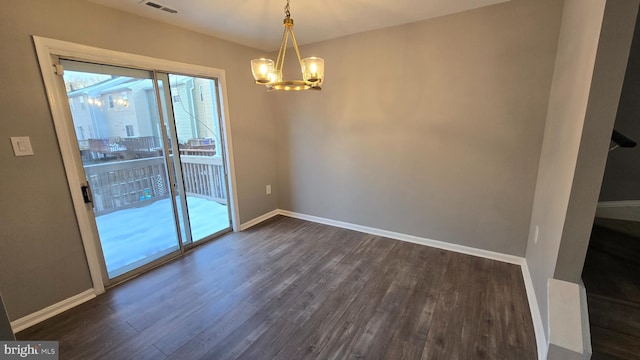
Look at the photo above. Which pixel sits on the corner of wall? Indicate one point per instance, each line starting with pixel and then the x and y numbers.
pixel 538 326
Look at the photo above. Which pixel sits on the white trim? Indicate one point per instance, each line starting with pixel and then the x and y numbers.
pixel 586 328
pixel 511 259
pixel 541 340
pixel 568 312
pixel 45 49
pixel 538 327
pixel 621 203
pixel 226 134
pixel 621 210
pixel 259 219
pixel 51 311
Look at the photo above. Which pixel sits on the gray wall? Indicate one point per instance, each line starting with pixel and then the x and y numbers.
pixel 606 86
pixel 439 133
pixel 565 158
pixel 567 106
pixel 6 332
pixel 622 174
pixel 432 129
pixel 41 255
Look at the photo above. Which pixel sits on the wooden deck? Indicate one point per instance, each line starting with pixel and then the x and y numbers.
pixel 291 289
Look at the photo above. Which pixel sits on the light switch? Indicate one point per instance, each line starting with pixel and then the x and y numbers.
pixel 21 145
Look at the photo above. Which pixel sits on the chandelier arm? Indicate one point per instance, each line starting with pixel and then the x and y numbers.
pixel 295 46
pixel 280 66
pixel 283 43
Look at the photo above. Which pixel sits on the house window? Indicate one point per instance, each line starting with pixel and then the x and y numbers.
pixel 176 98
pixel 129 130
pixel 111 104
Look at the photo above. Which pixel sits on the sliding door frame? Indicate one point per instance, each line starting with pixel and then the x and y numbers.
pixel 47 50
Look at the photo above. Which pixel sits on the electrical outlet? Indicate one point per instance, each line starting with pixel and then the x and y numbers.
pixel 535 234
pixel 268 189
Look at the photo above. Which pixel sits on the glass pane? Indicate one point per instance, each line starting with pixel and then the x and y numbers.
pixel 197 127
pixel 115 115
pixel 167 116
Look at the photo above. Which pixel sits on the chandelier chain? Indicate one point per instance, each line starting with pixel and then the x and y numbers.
pixel 286 10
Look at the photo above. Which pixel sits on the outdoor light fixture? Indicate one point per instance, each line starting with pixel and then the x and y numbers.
pixel 268 73
pixel 95 101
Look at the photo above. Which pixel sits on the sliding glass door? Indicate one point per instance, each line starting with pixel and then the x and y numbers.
pixel 196 115
pixel 151 152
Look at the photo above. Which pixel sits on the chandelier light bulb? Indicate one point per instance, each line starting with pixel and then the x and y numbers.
pixel 313 69
pixel 262 70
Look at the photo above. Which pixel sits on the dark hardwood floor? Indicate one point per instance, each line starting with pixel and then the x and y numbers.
pixel 291 289
pixel 611 277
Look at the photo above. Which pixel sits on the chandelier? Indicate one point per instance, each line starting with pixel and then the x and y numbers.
pixel 266 72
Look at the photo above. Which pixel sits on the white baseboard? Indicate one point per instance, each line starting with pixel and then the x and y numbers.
pixel 618 203
pixel 259 219
pixel 538 327
pixel 64 305
pixel 586 328
pixel 541 340
pixel 512 259
pixel 620 210
pixel 51 311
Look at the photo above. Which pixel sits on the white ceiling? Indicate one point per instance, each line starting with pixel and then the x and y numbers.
pixel 258 23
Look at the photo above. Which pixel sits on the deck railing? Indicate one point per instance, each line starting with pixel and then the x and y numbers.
pixel 116 144
pixel 132 183
pixel 203 176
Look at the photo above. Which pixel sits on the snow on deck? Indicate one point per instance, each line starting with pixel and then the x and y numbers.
pixel 130 235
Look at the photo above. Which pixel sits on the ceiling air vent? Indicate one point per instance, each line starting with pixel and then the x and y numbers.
pixel 153 5
pixel 159 7
pixel 169 10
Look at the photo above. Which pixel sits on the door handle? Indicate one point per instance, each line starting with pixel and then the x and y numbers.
pixel 86 194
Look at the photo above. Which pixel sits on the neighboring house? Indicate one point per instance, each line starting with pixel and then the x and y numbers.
pixel 124 107
pixel 194 107
pixel 92 110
